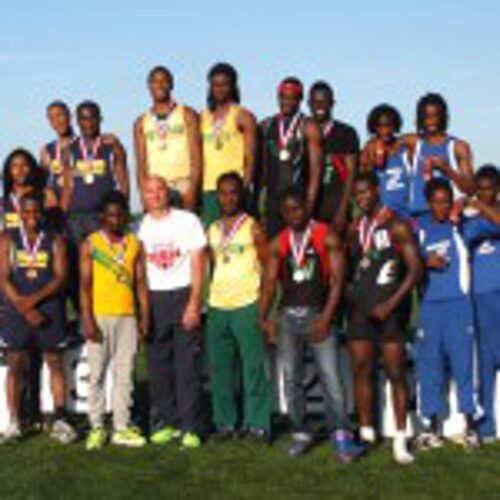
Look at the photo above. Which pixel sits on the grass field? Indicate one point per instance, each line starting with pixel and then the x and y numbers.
pixel 38 468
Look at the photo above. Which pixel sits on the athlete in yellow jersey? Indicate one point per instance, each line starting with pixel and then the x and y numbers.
pixel 229 136
pixel 237 248
pixel 113 280
pixel 167 141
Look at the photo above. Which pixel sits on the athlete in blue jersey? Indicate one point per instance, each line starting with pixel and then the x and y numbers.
pixel 33 274
pixel 486 287
pixel 446 335
pixel 98 166
pixel 436 154
pixel 388 157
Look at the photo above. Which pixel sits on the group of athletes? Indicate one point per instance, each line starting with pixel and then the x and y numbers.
pixel 284 232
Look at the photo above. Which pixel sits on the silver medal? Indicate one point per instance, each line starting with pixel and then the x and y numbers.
pixel 284 155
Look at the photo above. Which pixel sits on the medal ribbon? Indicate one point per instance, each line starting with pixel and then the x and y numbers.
pixel 228 236
pixel 286 135
pixel 161 125
pixel 219 123
pixel 299 250
pixel 90 154
pixel 32 251
pixel 327 129
pixel 367 229
pixel 122 244
pixel 16 202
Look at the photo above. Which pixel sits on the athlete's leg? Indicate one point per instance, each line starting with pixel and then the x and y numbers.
pixel 394 358
pixel 362 352
pixel 16 361
pixel 55 363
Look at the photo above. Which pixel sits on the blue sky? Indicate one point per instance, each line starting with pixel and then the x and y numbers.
pixel 370 51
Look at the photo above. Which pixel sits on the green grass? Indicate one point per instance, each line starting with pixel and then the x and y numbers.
pixel 38 468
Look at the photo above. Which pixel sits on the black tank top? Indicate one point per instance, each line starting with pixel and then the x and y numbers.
pixel 285 172
pixel 31 273
pixel 92 181
pixel 374 276
pixel 303 286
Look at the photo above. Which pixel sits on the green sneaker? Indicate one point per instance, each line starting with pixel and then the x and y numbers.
pixel 130 437
pixel 191 441
pixel 96 439
pixel 165 435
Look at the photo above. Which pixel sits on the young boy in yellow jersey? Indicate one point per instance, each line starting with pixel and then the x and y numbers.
pixel 113 281
pixel 229 137
pixel 237 248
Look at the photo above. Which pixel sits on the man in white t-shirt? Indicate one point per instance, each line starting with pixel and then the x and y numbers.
pixel 175 243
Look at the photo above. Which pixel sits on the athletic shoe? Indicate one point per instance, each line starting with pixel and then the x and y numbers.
pixel 428 441
pixel 130 437
pixel 346 448
pixel 12 433
pixel 62 431
pixel 367 435
pixel 165 435
pixel 468 440
pixel 400 450
pixel 224 434
pixel 300 445
pixel 96 439
pixel 190 441
pixel 258 435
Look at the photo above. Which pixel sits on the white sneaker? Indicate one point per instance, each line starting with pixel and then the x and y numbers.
pixel 12 433
pixel 429 441
pixel 367 434
pixel 468 440
pixel 400 450
pixel 62 431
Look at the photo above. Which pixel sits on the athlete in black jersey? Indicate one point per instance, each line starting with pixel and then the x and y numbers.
pixel 291 154
pixel 340 158
pixel 33 272
pixel 384 268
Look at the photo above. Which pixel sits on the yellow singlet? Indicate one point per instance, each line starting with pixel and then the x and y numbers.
pixel 237 272
pixel 223 151
pixel 113 275
pixel 168 157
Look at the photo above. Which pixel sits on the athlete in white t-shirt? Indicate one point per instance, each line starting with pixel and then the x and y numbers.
pixel 174 242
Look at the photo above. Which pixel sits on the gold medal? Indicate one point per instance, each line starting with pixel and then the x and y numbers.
pixel 32 273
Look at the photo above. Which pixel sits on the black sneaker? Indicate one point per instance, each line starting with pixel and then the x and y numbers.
pixel 301 443
pixel 224 434
pixel 258 435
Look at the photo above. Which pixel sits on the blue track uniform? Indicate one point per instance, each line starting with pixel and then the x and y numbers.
pixel 446 335
pixel 424 150
pixel 394 180
pixel 486 295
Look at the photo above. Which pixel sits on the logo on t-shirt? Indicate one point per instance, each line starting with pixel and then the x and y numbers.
pixel 164 256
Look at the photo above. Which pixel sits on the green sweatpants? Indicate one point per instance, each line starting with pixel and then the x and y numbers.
pixel 229 333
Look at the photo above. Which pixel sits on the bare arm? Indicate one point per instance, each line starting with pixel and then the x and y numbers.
pixel 86 286
pixel 8 288
pixel 268 291
pixel 261 243
pixel 195 154
pixel 492 213
pixel 402 236
pixel 248 127
pixel 140 153
pixel 120 167
pixel 141 284
pixel 314 150
pixel 337 266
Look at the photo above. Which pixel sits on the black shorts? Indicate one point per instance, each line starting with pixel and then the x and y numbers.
pixel 393 329
pixel 18 335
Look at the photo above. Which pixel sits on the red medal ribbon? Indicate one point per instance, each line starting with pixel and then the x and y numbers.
pixel 286 135
pixel 228 236
pixel 299 249
pixel 32 251
pixel 161 125
pixel 90 154
pixel 367 229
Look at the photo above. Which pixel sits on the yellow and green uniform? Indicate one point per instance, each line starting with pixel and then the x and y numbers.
pixel 233 330
pixel 223 151
pixel 113 274
pixel 169 156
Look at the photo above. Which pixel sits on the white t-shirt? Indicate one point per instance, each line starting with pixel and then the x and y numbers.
pixel 168 243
